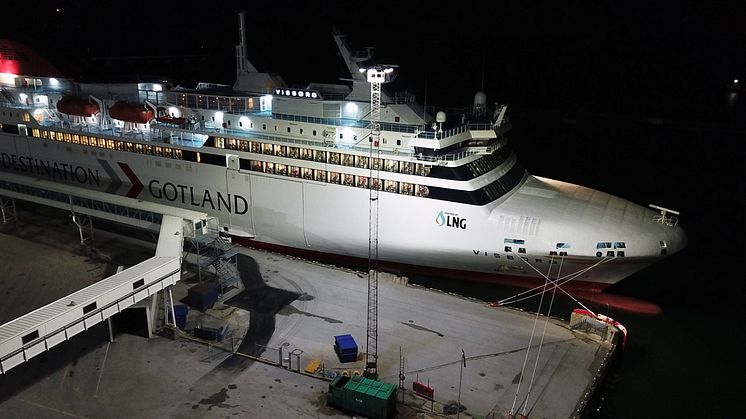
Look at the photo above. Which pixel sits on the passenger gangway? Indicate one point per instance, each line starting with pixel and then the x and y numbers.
pixel 27 336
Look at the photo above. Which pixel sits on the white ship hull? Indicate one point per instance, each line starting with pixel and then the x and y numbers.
pixel 309 216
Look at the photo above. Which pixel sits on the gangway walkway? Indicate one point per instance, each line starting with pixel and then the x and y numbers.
pixel 29 335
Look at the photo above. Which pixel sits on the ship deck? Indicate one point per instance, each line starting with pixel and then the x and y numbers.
pixel 137 377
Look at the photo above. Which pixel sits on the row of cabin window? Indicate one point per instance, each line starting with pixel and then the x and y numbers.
pixel 350 160
pixel 339 178
pixel 92 141
pixel 25 117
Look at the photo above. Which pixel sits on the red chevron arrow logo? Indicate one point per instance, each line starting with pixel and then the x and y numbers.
pixel 137 186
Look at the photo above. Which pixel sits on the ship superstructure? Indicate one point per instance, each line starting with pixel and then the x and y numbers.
pixel 290 169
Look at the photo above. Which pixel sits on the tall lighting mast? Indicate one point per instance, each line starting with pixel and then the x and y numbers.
pixel 376 76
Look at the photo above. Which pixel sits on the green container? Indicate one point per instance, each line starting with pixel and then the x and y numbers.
pixel 370 398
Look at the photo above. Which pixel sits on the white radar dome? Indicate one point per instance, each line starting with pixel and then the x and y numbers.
pixel 440 117
pixel 480 99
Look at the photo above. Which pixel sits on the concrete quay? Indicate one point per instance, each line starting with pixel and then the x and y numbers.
pixel 298 306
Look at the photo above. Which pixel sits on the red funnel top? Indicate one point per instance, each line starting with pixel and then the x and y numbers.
pixel 18 59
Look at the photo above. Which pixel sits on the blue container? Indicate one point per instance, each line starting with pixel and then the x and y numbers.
pixel 346 348
pixel 203 296
pixel 181 311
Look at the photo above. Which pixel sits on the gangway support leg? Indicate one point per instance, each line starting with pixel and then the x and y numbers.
pixel 171 306
pixel 85 227
pixel 111 330
pixel 8 209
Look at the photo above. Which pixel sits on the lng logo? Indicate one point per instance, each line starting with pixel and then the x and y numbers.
pixel 450 219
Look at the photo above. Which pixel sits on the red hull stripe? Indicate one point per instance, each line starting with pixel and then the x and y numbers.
pixel 137 186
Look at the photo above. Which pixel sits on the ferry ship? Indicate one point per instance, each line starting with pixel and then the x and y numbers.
pixel 290 169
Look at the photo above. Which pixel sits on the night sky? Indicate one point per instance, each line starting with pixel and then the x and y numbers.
pixel 627 97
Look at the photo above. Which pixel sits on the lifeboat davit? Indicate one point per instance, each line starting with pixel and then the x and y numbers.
pixel 131 112
pixel 73 105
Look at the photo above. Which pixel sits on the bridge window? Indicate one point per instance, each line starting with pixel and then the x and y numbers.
pixel 139 283
pixel 603 245
pixel 90 307
pixel 620 245
pixel 562 245
pixel 514 241
pixel 30 337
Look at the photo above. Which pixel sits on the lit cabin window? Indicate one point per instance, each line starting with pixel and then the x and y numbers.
pixel 603 245
pixel 620 245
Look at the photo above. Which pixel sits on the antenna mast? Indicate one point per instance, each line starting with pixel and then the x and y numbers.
pixel 375 76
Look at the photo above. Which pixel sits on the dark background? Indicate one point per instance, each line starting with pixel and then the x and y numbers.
pixel 632 98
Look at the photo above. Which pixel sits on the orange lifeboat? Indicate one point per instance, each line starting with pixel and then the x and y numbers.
pixel 131 112
pixel 165 118
pixel 171 120
pixel 73 105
